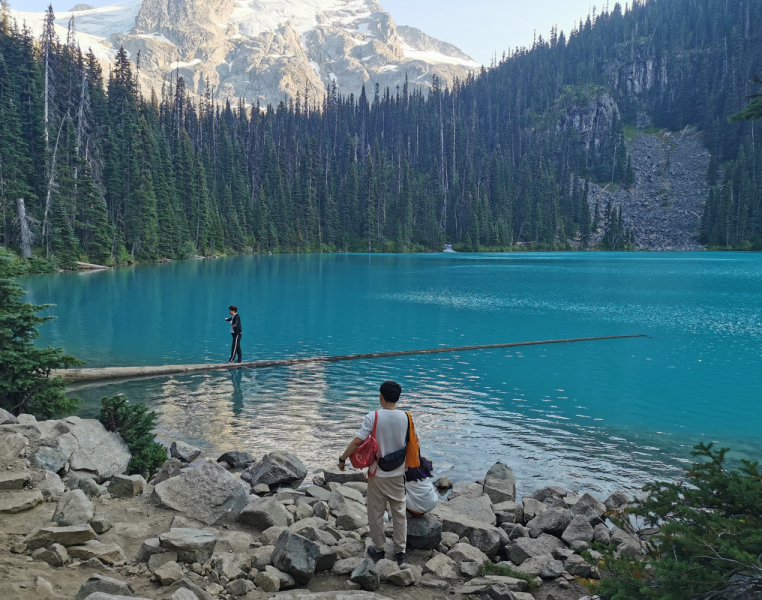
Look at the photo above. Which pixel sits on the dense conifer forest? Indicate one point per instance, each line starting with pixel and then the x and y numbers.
pixel 111 173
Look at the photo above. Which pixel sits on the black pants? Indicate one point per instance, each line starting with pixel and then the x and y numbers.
pixel 236 347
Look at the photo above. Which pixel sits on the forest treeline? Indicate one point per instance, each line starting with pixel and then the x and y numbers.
pixel 110 173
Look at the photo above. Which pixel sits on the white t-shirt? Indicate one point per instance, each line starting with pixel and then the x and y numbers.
pixel 391 431
pixel 421 496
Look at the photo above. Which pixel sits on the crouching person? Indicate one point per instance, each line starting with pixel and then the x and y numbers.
pixel 421 495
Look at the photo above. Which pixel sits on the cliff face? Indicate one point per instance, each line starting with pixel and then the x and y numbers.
pixel 266 51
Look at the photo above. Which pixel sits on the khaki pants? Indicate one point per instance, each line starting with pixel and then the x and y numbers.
pixel 380 491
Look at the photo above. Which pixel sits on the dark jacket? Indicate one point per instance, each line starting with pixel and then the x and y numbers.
pixel 236 323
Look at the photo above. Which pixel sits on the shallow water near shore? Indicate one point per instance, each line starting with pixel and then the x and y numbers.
pixel 592 416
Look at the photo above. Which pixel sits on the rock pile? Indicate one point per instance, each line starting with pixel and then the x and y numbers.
pixel 287 530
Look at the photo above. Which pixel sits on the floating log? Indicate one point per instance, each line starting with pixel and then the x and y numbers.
pixel 107 373
pixel 84 265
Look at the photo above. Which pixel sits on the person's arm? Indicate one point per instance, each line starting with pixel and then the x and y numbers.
pixel 351 449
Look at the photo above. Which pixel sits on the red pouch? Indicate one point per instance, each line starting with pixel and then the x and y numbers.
pixel 367 454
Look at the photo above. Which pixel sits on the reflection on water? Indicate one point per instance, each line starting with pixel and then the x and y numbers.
pixel 592 416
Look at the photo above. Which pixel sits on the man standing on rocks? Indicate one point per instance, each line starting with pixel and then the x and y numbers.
pixel 385 485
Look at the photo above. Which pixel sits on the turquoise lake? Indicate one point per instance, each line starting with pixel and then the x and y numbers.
pixel 592 416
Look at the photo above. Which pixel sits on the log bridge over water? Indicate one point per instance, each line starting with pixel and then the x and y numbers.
pixel 113 373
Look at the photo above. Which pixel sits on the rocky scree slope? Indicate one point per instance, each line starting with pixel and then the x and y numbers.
pixel 264 50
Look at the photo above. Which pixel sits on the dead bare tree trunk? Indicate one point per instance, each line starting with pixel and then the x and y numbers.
pixel 26 233
pixel 49 196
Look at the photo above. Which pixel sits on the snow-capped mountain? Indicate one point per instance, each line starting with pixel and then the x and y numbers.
pixel 264 50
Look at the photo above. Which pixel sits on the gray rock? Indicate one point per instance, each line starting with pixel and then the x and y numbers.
pixel 184 452
pixel 31 432
pixel 385 568
pixel 367 575
pixel 508 512
pixel 66 536
pixel 514 531
pixel 105 585
pixel 264 513
pixel 500 591
pixel 55 555
pixel 12 444
pixel 562 553
pixel 588 503
pixel 443 567
pixel 261 557
pixel 478 509
pixel 467 489
pixel 17 501
pixel 50 485
pixel 403 578
pixel 500 484
pixel 552 490
pixel 525 548
pixel 148 548
pixel 7 418
pixel 239 587
pixel 552 569
pixel 617 501
pixel 126 486
pixel 466 553
pixel 326 559
pixel 481 535
pixel 556 502
pixel 346 566
pixel 349 474
pixel 576 566
pixel 553 521
pixel 578 530
pixel 270 536
pixel 100 523
pixel 286 581
pixel 532 508
pixel 231 566
pixel 87 485
pixel 625 543
pixel 443 483
pixel 303 511
pixel 267 582
pixel 74 508
pixel 108 554
pixel 191 545
pixel 423 532
pixel 187 584
pixel 170 468
pixel 168 573
pixel 601 534
pixel 579 546
pixel 321 510
pixel 533 566
pixel 276 468
pixel 470 569
pixel 295 555
pixel 51 459
pixel 208 493
pixel 449 539
pixel 159 560
pixel 104 596
pixel 13 480
pixel 318 492
pixel 349 515
pixel 237 460
pixel 101 452
pixel 183 594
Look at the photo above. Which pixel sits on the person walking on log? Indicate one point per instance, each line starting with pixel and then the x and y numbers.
pixel 386 476
pixel 235 331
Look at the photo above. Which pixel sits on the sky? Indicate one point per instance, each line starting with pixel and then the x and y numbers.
pixel 481 28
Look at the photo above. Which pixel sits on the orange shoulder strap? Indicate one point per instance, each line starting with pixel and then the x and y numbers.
pixel 412 456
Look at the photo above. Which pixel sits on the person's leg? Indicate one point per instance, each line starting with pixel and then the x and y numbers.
pixel 376 508
pixel 395 494
pixel 232 348
pixel 240 353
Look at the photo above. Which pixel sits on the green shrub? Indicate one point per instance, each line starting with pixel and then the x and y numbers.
pixel 710 534
pixel 135 424
pixel 490 568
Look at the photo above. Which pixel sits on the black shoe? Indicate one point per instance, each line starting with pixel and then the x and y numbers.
pixel 400 558
pixel 374 554
pixel 239 360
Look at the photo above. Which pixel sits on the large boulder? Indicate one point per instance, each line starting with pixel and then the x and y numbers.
pixel 275 469
pixel 208 493
pixel 508 512
pixel 481 535
pixel 423 532
pixel 12 444
pixel 191 545
pixel 17 501
pixel 347 475
pixel 170 468
pixel 443 567
pixel 525 548
pixel 461 553
pixel 349 515
pixel 98 451
pixel 13 480
pixel 579 530
pixel 617 501
pixel 551 491
pixel 295 555
pixel 467 489
pixel 264 513
pixel 532 508
pixel 73 508
pixel 7 418
pixel 50 485
pixel 51 459
pixel 175 591
pixel 126 486
pixel 478 509
pixel 366 574
pixel 66 536
pixel 184 452
pixel 553 521
pixel 237 460
pixel 105 585
pixel 500 483
pixel 107 553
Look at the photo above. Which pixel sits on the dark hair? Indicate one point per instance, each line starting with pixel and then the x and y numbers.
pixel 233 308
pixel 391 391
